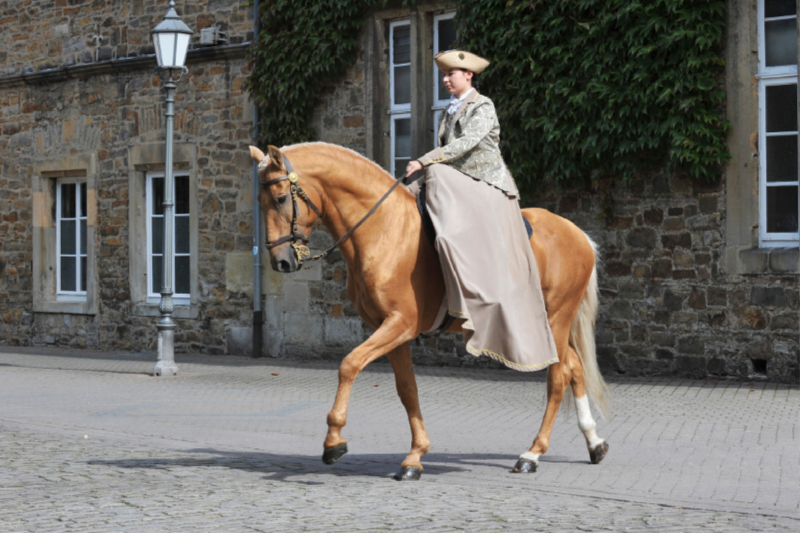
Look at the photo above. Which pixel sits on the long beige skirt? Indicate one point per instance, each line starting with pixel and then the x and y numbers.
pixel 490 272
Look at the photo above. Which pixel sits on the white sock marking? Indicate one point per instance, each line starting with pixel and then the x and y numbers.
pixel 532 457
pixel 586 422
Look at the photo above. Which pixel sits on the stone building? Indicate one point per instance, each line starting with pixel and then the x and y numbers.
pixel 698 280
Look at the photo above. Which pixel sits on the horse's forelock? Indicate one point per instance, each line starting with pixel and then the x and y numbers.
pixel 262 165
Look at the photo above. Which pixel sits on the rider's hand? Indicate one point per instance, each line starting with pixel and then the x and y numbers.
pixel 412 167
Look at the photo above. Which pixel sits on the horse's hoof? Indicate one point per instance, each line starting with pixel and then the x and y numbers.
pixel 597 453
pixel 408 473
pixel 524 466
pixel 332 455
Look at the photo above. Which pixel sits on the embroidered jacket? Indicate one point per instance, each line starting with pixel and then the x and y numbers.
pixel 469 142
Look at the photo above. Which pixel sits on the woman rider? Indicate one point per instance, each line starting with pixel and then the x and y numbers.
pixel 490 272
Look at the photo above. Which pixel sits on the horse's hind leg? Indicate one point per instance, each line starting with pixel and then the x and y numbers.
pixel 597 446
pixel 558 378
pixel 400 358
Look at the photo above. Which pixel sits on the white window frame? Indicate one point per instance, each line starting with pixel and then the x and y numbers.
pixel 770 76
pixel 155 297
pixel 76 295
pixel 396 111
pixel 438 105
pixel 393 138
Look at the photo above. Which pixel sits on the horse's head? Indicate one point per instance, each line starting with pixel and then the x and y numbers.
pixel 287 222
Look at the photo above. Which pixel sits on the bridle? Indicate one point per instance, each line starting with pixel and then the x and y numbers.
pixel 298 240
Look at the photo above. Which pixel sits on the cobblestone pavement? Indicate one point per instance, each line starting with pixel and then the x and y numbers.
pixel 94 444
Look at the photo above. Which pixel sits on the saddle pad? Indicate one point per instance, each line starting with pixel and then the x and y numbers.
pixel 427 223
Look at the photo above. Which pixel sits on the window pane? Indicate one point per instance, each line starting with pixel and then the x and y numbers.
pixel 443 94
pixel 181 194
pixel 83 274
pixel 83 237
pixel 782 108
pixel 402 85
pixel 400 165
pixel 67 273
pixel 782 158
pixel 68 200
pixel 155 279
pixel 782 209
pixel 182 275
pixel 158 235
pixel 182 234
pixel 158 196
pixel 401 44
pixel 780 40
pixel 68 237
pixel 447 34
pixel 83 200
pixel 402 138
pixel 779 8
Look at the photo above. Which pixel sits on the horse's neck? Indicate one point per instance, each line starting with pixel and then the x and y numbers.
pixel 348 191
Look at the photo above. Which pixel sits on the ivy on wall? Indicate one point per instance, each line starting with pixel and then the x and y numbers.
pixel 582 87
pixel 302 46
pixel 614 86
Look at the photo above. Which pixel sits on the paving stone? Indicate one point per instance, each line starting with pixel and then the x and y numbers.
pixel 228 446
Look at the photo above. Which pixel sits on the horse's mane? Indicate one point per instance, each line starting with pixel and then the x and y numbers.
pixel 343 155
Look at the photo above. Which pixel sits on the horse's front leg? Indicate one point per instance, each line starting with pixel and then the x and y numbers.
pixel 403 368
pixel 394 331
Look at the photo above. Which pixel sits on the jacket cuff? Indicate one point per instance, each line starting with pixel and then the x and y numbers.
pixel 434 156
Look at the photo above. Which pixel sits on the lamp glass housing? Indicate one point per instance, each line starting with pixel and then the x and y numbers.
pixel 171 40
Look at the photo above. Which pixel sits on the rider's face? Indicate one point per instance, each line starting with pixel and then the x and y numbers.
pixel 457 81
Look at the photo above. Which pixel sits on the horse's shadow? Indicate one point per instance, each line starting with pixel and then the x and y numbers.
pixel 277 467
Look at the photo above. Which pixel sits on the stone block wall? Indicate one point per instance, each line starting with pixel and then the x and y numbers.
pixel 45 34
pixel 667 303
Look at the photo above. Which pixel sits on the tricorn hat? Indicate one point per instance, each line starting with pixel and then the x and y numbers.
pixel 460 59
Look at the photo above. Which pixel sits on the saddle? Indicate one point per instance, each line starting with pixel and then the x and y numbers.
pixel 443 318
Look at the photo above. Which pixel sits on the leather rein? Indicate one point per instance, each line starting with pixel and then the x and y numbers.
pixel 299 240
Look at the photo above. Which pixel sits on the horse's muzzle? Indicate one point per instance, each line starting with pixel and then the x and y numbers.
pixel 284 261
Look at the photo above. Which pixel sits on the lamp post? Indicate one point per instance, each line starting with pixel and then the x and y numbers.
pixel 171 40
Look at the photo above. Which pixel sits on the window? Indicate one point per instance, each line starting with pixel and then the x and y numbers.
pixel 71 239
pixel 400 95
pixel 412 96
pixel 181 239
pixel 444 35
pixel 777 90
pixel 63 234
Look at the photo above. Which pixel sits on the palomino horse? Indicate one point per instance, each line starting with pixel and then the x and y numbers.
pixel 395 282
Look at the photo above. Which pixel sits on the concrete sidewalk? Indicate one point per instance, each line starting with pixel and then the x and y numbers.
pixel 92 442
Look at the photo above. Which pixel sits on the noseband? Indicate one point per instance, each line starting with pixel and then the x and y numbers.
pixel 298 240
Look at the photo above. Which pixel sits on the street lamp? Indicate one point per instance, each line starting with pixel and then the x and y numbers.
pixel 171 39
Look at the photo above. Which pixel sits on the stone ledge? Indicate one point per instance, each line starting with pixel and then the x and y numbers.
pixel 115 66
pixel 65 307
pixel 151 310
pixel 769 260
pixel 748 260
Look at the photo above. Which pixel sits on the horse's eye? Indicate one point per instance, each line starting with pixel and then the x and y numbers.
pixel 280 200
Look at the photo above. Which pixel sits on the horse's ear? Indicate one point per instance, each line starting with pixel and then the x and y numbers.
pixel 276 156
pixel 256 154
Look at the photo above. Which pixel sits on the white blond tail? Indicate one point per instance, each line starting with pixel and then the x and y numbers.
pixel 581 338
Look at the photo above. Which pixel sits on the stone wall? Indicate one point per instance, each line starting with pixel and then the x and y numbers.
pixel 45 34
pixel 103 114
pixel 668 305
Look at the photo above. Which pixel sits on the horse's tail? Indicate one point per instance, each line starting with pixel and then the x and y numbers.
pixel 581 338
